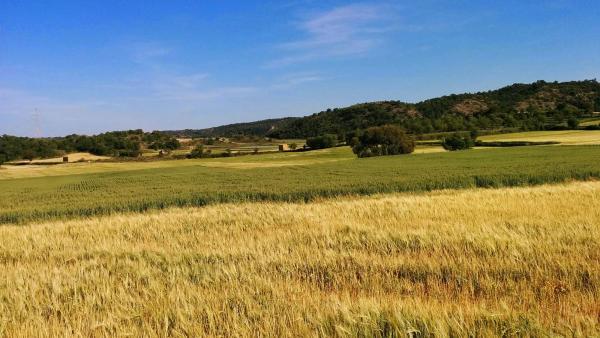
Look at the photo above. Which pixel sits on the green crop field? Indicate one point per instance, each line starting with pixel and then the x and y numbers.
pixel 284 177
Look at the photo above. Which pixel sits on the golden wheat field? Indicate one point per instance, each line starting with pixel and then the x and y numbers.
pixel 512 262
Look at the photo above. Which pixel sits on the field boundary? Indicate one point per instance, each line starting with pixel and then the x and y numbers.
pixel 201 200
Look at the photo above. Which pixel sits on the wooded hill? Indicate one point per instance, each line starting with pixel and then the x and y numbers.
pixel 536 106
pixel 258 128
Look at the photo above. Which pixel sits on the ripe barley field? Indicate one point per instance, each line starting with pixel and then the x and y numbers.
pixel 475 262
pixel 565 137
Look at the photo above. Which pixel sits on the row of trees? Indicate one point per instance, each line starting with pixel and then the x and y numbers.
pixel 322 142
pixel 388 140
pixel 374 141
pixel 119 143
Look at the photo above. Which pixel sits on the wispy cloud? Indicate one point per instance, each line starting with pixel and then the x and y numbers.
pixel 155 92
pixel 197 94
pixel 296 79
pixel 343 31
pixel 148 52
pixel 158 80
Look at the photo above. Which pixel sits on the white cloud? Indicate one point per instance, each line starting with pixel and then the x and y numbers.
pixel 343 31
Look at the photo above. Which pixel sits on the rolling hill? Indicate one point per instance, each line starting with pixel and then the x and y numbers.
pixel 257 128
pixel 536 106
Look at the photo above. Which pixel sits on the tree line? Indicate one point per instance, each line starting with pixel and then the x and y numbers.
pixel 117 143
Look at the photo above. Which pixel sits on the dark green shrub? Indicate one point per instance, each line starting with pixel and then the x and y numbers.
pixel 385 140
pixel 322 142
pixel 172 144
pixel 573 123
pixel 197 152
pixel 352 137
pixel 474 133
pixel 458 142
pixel 129 153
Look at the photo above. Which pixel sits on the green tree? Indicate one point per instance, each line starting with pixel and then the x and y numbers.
pixel 457 141
pixel 172 144
pixel 385 140
pixel 322 142
pixel 197 152
pixel 28 154
pixel 352 137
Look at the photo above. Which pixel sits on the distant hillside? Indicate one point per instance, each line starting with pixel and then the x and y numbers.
pixel 536 106
pixel 258 128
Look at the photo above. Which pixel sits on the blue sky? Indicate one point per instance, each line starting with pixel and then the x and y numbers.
pixel 94 66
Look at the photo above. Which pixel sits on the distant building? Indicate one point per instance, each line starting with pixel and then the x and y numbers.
pixel 65 159
pixel 284 147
